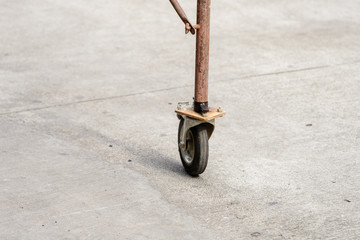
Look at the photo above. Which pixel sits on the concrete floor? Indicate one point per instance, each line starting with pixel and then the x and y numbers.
pixel 88 145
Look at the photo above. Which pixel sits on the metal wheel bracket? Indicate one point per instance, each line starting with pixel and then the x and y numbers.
pixel 185 109
pixel 190 123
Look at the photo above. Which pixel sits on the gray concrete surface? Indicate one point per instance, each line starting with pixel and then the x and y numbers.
pixel 78 76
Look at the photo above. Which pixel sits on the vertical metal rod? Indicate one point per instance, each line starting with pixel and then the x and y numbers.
pixel 202 56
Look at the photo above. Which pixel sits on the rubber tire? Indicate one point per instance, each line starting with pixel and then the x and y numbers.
pixel 201 154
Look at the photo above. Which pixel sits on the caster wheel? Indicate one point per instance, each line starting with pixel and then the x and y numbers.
pixel 194 153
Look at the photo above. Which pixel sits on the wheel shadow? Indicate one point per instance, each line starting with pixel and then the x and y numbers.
pixel 152 158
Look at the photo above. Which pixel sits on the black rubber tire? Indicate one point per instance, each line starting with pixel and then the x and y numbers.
pixel 201 150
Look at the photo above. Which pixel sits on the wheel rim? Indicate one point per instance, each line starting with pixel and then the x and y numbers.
pixel 189 151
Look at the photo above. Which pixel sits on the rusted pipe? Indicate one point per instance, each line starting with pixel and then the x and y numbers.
pixel 182 15
pixel 202 56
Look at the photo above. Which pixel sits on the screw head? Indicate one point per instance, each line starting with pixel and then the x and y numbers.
pixel 182 105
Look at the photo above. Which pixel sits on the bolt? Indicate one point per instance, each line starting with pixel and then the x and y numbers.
pixel 182 105
pixel 182 145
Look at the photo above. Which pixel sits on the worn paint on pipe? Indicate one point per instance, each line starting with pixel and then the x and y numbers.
pixel 202 51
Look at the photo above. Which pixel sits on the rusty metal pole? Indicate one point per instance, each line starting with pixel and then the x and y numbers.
pixel 202 56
